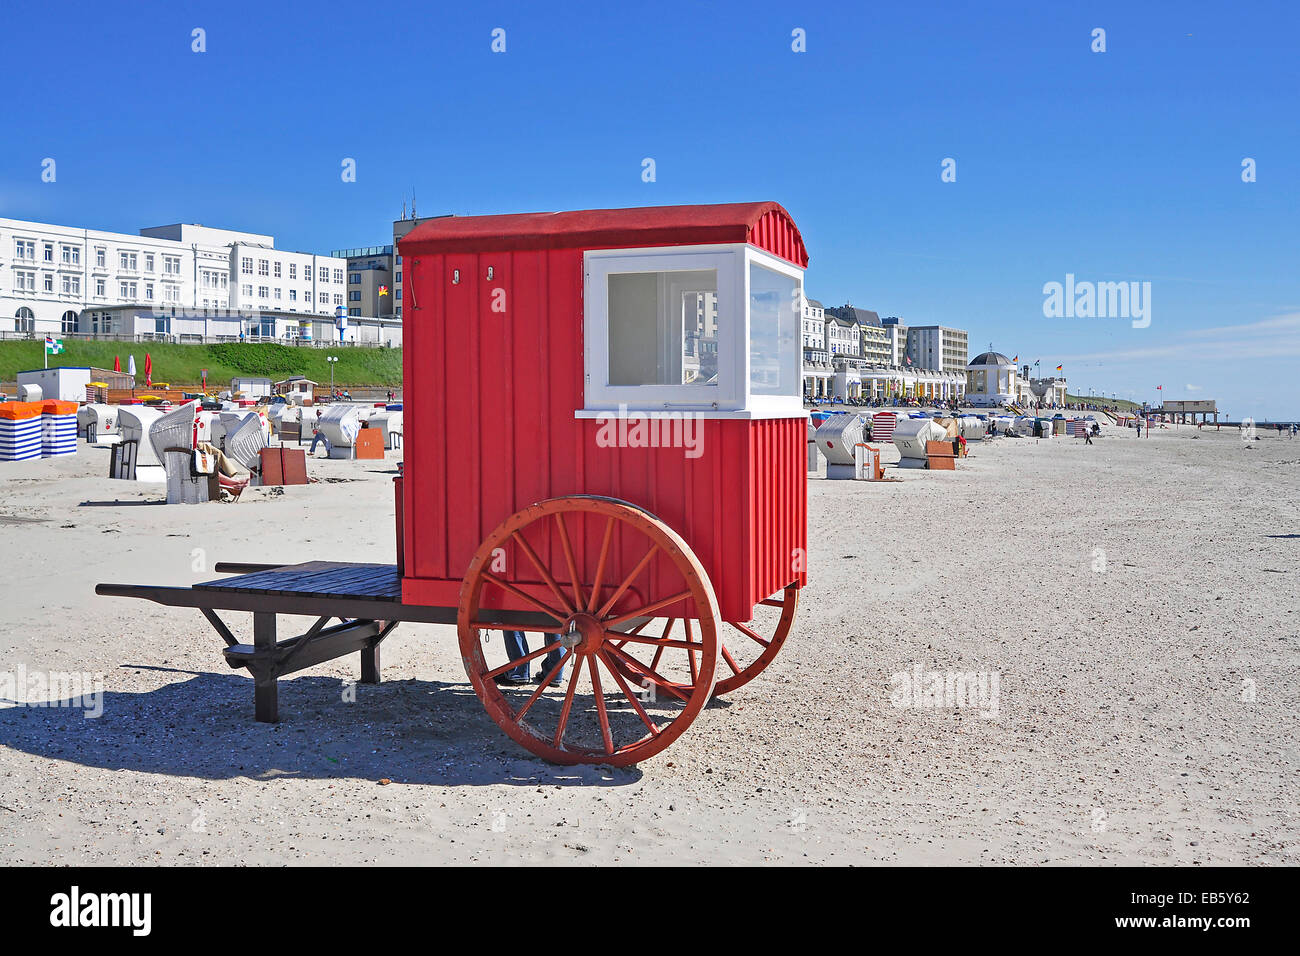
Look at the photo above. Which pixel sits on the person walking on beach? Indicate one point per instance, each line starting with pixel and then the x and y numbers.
pixel 1087 436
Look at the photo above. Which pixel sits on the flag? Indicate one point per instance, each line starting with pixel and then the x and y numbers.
pixel 117 363
pixel 1160 388
pixel 383 290
pixel 1016 359
pixel 53 346
pixel 1060 368
pixel 148 369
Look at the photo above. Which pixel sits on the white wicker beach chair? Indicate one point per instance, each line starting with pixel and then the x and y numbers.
pixel 244 443
pixel 174 430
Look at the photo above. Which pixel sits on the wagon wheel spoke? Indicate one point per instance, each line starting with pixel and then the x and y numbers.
pixel 546 575
pixel 632 698
pixel 568 704
pixel 731 661
pixel 507 586
pixel 508 626
pixel 511 665
pixel 750 633
pixel 654 675
pixel 601 713
pixel 600 565
pixel 569 560
pixel 656 641
pixel 546 682
pixel 690 654
pixel 664 602
pixel 627 583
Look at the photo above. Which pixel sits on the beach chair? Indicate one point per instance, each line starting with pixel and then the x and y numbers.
pixel 174 430
pixel 244 444
pixel 174 439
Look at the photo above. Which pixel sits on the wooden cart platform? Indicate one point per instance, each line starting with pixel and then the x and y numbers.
pixel 365 599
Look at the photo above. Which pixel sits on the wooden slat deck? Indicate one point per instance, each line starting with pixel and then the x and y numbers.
pixel 322 579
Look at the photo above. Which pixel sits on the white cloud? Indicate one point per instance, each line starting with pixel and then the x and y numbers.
pixel 1277 337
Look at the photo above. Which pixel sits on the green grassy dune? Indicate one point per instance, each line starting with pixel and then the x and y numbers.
pixel 181 364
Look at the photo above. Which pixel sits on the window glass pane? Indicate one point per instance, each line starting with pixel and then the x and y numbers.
pixel 774 302
pixel 663 328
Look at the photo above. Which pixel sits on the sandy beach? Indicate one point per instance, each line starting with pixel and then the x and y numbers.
pixel 1135 598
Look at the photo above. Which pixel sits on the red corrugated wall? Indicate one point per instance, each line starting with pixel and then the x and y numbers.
pixel 490 429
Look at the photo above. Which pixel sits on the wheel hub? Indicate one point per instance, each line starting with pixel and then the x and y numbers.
pixel 585 634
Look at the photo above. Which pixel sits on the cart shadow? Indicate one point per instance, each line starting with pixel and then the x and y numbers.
pixel 407 731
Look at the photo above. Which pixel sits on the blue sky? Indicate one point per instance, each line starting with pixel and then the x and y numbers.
pixel 1115 166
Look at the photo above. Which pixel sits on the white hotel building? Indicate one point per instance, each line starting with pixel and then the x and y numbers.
pixel 182 281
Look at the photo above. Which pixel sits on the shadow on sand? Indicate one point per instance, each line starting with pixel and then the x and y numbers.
pixel 411 731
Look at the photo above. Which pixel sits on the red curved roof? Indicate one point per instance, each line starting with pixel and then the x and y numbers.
pixel 764 224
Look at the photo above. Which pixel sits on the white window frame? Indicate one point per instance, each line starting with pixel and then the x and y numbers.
pixel 790 404
pixel 731 397
pixel 598 265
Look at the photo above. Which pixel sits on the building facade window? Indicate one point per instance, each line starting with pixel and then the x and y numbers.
pixel 246 266
pixel 323 274
pixel 99 256
pixel 262 292
pixel 49 252
pixel 24 249
pixel 293 270
pixel 262 267
pixel 99 288
pixel 354 278
pixel 338 276
pixel 148 262
pixel 171 265
pixel 69 324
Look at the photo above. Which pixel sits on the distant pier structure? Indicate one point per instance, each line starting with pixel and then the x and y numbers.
pixel 1186 412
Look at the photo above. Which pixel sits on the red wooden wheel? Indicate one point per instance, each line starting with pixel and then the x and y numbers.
pixel 611 706
pixel 745 649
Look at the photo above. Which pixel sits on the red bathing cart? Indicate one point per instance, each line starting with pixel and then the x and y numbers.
pixel 604 449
